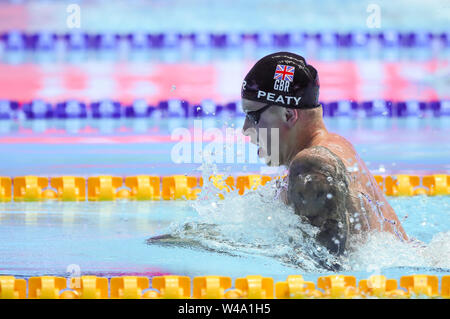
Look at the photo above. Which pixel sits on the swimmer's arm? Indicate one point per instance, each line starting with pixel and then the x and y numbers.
pixel 319 199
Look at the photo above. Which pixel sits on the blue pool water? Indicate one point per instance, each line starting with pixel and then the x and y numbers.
pixel 241 235
pixel 248 237
pixel 121 147
pixel 249 15
pixel 109 239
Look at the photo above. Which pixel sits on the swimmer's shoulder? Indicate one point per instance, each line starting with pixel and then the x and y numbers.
pixel 315 157
pixel 322 164
pixel 318 189
pixel 339 146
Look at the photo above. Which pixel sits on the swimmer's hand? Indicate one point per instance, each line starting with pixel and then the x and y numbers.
pixel 318 190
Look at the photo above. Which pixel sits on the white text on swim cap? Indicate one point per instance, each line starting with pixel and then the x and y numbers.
pixel 282 99
pixel 281 85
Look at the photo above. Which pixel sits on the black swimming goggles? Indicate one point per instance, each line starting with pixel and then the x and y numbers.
pixel 255 115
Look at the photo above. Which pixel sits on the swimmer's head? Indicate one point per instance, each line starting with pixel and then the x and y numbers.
pixel 283 79
pixel 280 94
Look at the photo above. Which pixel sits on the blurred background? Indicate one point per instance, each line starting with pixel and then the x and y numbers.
pixel 226 16
pixel 98 87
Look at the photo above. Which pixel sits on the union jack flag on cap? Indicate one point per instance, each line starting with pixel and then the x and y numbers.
pixel 284 72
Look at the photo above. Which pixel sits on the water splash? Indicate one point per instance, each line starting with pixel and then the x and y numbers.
pixel 384 250
pixel 258 223
pixel 252 223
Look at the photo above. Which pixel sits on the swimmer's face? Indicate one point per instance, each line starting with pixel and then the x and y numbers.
pixel 265 126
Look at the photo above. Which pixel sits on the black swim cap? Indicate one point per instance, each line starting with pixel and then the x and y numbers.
pixel 283 79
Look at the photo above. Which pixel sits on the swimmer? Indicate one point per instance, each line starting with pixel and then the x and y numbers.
pixel 328 184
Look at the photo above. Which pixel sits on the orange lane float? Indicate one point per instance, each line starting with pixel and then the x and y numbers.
pixel 220 287
pixel 176 187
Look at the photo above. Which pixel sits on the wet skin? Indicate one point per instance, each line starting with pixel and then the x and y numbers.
pixel 330 186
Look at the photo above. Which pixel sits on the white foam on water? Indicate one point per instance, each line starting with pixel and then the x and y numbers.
pixel 258 223
pixel 253 223
pixel 383 250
